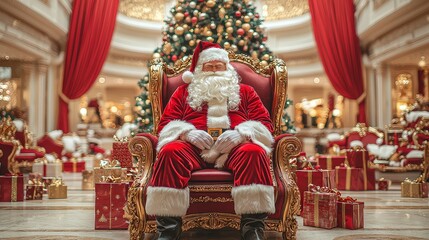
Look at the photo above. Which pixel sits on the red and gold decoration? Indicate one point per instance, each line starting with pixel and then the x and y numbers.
pixel 73 165
pixel 414 189
pixel 383 184
pixel 354 179
pixel 34 189
pixel 357 157
pixel 48 169
pixel 11 188
pixel 320 207
pixel 121 152
pixel 350 213
pixel 110 199
pixel 109 168
pixel 330 162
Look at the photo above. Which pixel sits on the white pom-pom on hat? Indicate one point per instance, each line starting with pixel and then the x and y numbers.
pixel 187 76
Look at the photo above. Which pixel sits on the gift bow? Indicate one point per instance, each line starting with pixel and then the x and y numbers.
pixel 124 139
pixel 42 160
pixel 110 164
pixel 110 179
pixel 57 183
pixel 347 199
pixel 35 181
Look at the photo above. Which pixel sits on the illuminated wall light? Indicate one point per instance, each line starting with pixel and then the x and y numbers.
pixel 114 109
pixel 101 80
pixel 422 62
pixel 336 112
pixel 316 80
pixel 83 111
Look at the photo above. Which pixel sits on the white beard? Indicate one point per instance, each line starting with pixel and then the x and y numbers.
pixel 214 87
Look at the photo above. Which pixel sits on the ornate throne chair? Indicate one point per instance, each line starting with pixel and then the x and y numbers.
pixel 28 153
pixel 211 204
pixel 8 147
pixel 360 132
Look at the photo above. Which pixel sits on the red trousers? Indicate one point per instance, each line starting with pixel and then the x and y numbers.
pixel 248 162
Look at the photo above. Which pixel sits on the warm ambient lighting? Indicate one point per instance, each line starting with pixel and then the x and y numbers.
pixel 101 80
pixel 316 80
pixel 422 62
pixel 83 111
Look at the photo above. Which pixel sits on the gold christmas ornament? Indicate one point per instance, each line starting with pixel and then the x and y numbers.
pixel 246 18
pixel 210 3
pixel 208 33
pixel 241 42
pixel 254 55
pixel 179 9
pixel 156 55
pixel 197 30
pixel 185 26
pixel 229 30
pixel 222 13
pixel 238 23
pixel 167 48
pixel 191 43
pixel 246 27
pixel 179 30
pixel 234 47
pixel 219 29
pixel 266 57
pixel 228 24
pixel 179 16
pixel 210 39
pixel 264 63
pixel 226 45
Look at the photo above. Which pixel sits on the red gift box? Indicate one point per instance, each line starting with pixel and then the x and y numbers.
pixel 357 157
pixel 383 184
pixel 330 162
pixel 11 188
pixel 73 166
pixel 362 179
pixel 350 215
pixel 110 199
pixel 323 178
pixel 320 209
pixel 121 153
pixel 34 192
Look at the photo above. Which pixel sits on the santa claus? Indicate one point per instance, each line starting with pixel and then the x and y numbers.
pixel 213 101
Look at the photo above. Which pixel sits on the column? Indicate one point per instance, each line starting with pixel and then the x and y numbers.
pixel 29 75
pixel 383 95
pixel 41 99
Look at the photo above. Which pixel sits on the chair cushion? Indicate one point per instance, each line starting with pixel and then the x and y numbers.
pixel 211 175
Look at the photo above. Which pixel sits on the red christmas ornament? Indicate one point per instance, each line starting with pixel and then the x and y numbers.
pixel 264 39
pixel 238 14
pixel 186 14
pixel 256 15
pixel 317 167
pixel 174 58
pixel 240 31
pixel 194 20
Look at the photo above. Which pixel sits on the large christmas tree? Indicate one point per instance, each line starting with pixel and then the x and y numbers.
pixel 233 24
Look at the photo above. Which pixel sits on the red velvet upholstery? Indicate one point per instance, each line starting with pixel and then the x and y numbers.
pixel 50 145
pixel 368 138
pixel 211 175
pixel 8 150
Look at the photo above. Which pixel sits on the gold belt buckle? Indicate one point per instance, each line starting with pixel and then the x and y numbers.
pixel 214 132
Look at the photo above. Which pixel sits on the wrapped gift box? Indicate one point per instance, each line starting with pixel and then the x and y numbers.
pixel 57 190
pixel 11 188
pixel 357 157
pixel 48 169
pixel 354 179
pixel 383 184
pixel 109 168
pixel 414 189
pixel 320 209
pixel 121 153
pixel 330 162
pixel 73 166
pixel 350 215
pixel 88 180
pixel 110 199
pixel 34 190
pixel 323 178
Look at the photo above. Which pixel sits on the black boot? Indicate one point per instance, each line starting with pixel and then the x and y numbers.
pixel 252 226
pixel 169 228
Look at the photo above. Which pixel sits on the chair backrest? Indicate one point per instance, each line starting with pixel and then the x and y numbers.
pixel 364 134
pixel 8 146
pixel 270 83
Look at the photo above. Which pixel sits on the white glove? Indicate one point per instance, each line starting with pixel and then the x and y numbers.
pixel 199 138
pixel 227 141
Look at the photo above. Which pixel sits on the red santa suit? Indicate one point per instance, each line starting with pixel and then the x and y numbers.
pixel 253 191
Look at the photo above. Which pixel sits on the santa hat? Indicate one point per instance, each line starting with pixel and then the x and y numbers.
pixel 205 52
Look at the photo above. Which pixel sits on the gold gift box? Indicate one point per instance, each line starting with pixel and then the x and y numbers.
pixel 414 189
pixel 99 173
pixel 88 180
pixel 57 191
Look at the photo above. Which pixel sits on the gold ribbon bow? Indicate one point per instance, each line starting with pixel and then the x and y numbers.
pixel 42 160
pixel 35 182
pixel 110 164
pixel 110 179
pixel 124 139
pixel 57 183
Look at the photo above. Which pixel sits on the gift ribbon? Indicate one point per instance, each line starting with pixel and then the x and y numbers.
pixel 309 177
pixel 316 209
pixel 365 177
pixel 57 183
pixel 124 139
pixel 14 194
pixel 329 162
pixel 110 164
pixel 348 178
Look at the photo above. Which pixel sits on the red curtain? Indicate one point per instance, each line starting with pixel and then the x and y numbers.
pixel 338 46
pixel 421 82
pixel 91 28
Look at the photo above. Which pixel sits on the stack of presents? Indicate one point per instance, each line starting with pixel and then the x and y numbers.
pixel 320 181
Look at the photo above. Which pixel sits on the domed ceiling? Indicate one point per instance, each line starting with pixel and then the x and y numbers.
pixel 156 10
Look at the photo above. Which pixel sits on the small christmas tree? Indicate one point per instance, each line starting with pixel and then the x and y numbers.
pixel 233 24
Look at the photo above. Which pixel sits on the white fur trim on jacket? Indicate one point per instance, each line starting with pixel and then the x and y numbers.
pixel 212 54
pixel 255 198
pixel 172 131
pixel 258 133
pixel 217 115
pixel 165 201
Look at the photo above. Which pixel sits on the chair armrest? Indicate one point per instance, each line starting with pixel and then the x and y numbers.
pixel 143 147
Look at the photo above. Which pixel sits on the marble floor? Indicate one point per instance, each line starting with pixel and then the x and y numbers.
pixel 387 216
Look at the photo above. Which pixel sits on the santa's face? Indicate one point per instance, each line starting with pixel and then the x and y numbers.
pixel 214 81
